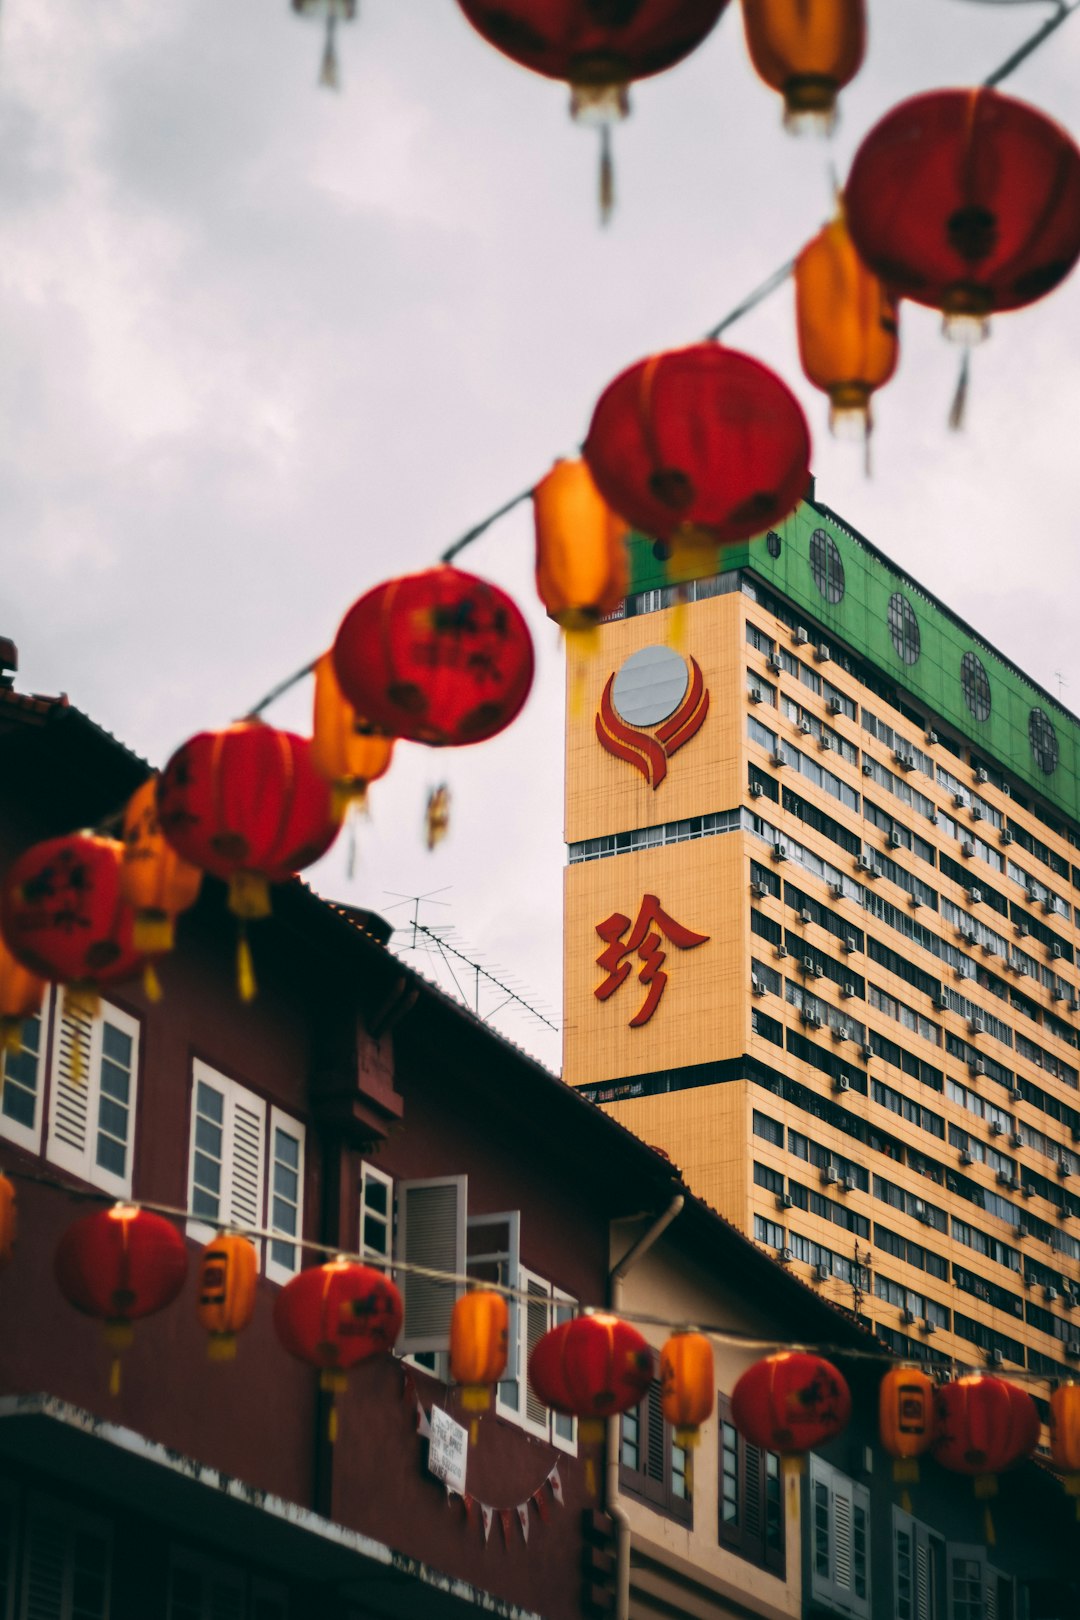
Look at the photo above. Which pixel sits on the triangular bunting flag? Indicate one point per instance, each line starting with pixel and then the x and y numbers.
pixel 541 1504
pixel 556 1485
pixel 486 1514
pixel 523 1518
pixel 423 1426
pixel 506 1519
pixel 469 1505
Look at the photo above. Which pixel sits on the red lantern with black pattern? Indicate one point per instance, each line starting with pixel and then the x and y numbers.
pixel 985 1425
pixel 120 1264
pixel 968 201
pixel 591 1368
pixel 64 915
pixel 247 805
pixel 438 657
pixel 701 447
pixel 335 1316
pixel 598 49
pixel 791 1402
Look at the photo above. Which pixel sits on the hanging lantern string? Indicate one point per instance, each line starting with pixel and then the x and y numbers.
pixel 1022 52
pixel 280 689
pixel 521 1296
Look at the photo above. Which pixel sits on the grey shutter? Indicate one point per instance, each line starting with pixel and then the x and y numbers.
pixel 537 1322
pixel 841 1538
pixel 65 1568
pixel 43 1567
pixel 922 1580
pixel 430 1232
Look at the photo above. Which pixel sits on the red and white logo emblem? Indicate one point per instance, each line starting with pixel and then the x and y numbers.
pixel 650 707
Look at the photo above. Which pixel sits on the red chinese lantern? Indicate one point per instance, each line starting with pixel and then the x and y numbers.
pixel 582 567
pixel 598 49
pixel 65 917
pixel 344 748
pixel 119 1264
pixel 1065 1436
pixel 21 995
pixel 591 1368
pixel 479 1333
pixel 847 326
pixel 906 1419
pixel 154 880
pixel 247 805
pixel 984 1426
pixel 439 657
pixel 9 1220
pixel 687 1385
pixel 228 1273
pixel 967 201
pixel 791 1402
pixel 334 11
pixel 808 50
pixel 335 1316
pixel 701 447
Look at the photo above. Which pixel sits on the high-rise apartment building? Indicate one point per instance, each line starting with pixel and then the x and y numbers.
pixel 822 909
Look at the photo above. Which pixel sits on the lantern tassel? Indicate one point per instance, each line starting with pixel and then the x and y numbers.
pixel 590 1477
pixel 905 1500
pixel 607 175
pixel 437 815
pixel 958 409
pixel 332 1423
pixel 151 982
pixel 474 1431
pixel 246 987
pixel 329 77
pixel 114 1377
pixel 989 1532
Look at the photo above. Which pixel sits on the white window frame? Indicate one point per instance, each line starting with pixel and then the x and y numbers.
pixel 370 1255
pixel 70 1520
pixel 85 1094
pixel 413 1341
pixel 234 1095
pixel 11 1130
pixel 827 1589
pixel 559 1303
pixel 290 1126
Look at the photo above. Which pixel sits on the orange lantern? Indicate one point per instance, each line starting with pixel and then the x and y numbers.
pixel 984 1426
pixel 582 568
pixel 479 1335
pixel 119 1264
pixel 21 995
pixel 440 657
pixel 847 325
pixel 247 805
pixel 227 1275
pixel 65 917
pixel 335 1316
pixel 153 878
pixel 344 748
pixel 9 1220
pixel 906 1419
pixel 1065 1436
pixel 967 201
pixel 591 1368
pixel 808 50
pixel 687 1385
pixel 791 1402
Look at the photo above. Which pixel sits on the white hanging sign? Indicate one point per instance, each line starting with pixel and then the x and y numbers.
pixel 449 1449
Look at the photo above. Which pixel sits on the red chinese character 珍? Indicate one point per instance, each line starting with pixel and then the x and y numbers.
pixel 651 925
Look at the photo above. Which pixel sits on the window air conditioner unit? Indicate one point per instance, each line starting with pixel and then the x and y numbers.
pixel 980 775
pixel 806 728
pixel 976 1026
pixel 836 890
pixel 1005 1178
pixel 773 663
pixel 1032 893
pixel 919 1211
pixel 1068 1300
pixel 895 840
pixel 1050 1293
pixel 1055 952
pixel 1023 969
pixel 1072 1349
pixel 1021 1230
pixel 841 1083
pixel 850 944
pixel 976 813
pixel 1074 1004
pixel 825 744
pixel 777 760
pixel 907 1316
pixel 941 1000
pixel 1022 930
pixel 758 890
pixel 800 636
pixel 1056 992
pixel 867 1049
pixel 965 1157
pixel 931 737
pixel 805 914
pixel 835 706
pixel 996 1128
pixel 841 1033
pixel 847 990
pixel 976 1066
pixel 967 849
pixel 1017 1138
pixel 822 653
pixel 928 1327
pixel 868 767
pixel 967 935
pixel 781 952
pixel 779 853
pixel 996 1359
pixel 786 1256
pixel 808 964
pixel 784 1201
pixel 959 800
pixel 830 1176
pixel 1006 836
pixel 822 1271
pixel 756 790
pixel 819 972
pixel 1006 790
pixel 849 1183
pixel 1064 1167
pixel 1027 1190
pixel 757 988
pixel 975 897
pixel 811 1019
pixel 755 694
pixel 863 863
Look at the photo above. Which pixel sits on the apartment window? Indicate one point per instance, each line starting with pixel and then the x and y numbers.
pixel 23 1076
pixel 918 1570
pixel 431 1217
pixel 651 1466
pixel 92 1099
pixel 237 1153
pixel 751 1497
pixel 544 1307
pixel 376 1214
pixel 840 1544
pixel 976 1589
pixel 67 1558
pixel 203 1589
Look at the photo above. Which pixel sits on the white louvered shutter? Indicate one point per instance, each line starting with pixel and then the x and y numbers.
pixel 92 1105
pixel 72 1087
pixel 537 1315
pixel 430 1232
pixel 922 1580
pixel 247 1157
pixel 227 1156
pixel 841 1517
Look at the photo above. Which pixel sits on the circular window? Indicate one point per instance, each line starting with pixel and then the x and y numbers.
pixel 772 543
pixel 661 550
pixel 904 628
pixel 976 685
pixel 826 567
pixel 1043 739
pixel 650 686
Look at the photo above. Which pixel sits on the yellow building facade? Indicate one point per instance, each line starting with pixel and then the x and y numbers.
pixel 820 935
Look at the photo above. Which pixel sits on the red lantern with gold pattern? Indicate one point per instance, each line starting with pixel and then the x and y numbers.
pixel 439 657
pixel 9 1219
pixel 700 446
pixel 335 1316
pixel 598 49
pixel 791 1402
pixel 808 50
pixel 21 995
pixel 984 1426
pixel 64 915
pixel 591 1368
pixel 968 201
pixel 907 1418
pixel 247 805
pixel 120 1264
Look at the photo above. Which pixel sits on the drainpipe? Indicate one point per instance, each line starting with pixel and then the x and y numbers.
pixel 614 1509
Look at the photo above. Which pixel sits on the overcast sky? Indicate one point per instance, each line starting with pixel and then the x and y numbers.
pixel 263 345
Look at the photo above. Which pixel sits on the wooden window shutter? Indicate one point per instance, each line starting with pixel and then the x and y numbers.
pixel 430 1232
pixel 752 1492
pixel 247 1157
